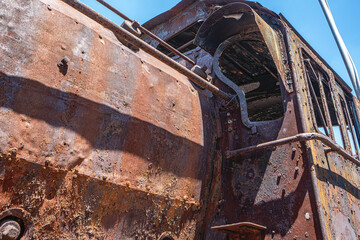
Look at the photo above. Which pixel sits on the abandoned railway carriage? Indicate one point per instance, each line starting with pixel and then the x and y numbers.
pixel 106 134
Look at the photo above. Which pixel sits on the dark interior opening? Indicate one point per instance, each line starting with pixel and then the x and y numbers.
pixel 249 65
pixel 318 112
pixel 330 103
pixel 316 74
pixel 182 41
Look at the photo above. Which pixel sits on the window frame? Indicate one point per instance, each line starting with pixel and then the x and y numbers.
pixel 335 95
pixel 348 121
pixel 350 100
pixel 238 90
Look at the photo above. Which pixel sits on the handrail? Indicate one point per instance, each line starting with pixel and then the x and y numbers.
pixel 127 36
pixel 147 32
pixel 302 137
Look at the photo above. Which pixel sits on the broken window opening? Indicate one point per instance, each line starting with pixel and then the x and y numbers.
pixel 318 105
pixel 248 63
pixel 322 99
pixel 353 117
pixel 349 127
pixel 337 132
pixel 313 79
pixel 183 41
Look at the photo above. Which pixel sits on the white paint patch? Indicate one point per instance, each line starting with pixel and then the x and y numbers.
pixel 236 16
pixel 146 68
pixel 84 43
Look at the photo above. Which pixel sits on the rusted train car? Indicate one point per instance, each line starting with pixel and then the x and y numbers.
pixel 106 134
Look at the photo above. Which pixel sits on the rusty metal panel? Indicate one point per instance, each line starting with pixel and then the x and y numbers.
pixel 102 141
pixel 97 141
pixel 269 187
pixel 337 179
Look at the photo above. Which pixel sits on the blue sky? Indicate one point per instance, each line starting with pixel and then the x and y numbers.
pixel 305 15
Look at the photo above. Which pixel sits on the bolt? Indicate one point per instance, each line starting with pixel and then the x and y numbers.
pixel 13 151
pixel 228 114
pixel 66 59
pixel 49 7
pixel 307 216
pixel 296 169
pixel 47 163
pixel 10 230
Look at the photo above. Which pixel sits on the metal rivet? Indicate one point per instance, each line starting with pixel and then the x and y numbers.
pixel 10 229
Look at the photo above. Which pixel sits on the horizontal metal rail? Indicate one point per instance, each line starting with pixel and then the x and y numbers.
pixel 186 44
pixel 147 32
pixel 127 36
pixel 302 137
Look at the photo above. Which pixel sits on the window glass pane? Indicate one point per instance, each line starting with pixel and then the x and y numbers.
pixel 353 149
pixel 322 130
pixel 338 136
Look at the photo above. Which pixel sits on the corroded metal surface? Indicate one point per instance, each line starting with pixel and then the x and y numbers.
pixel 103 140
pixel 98 150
